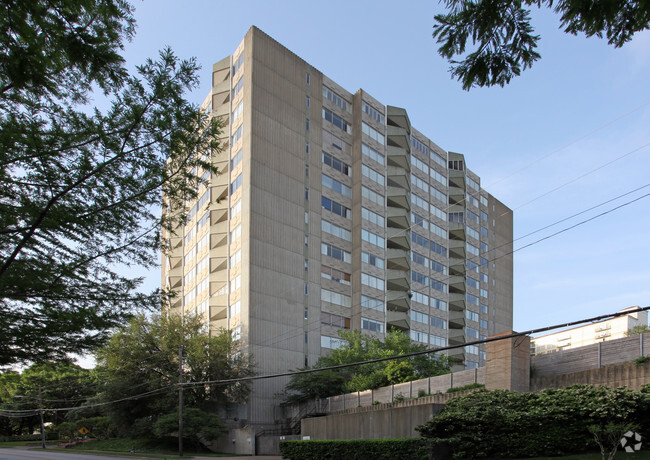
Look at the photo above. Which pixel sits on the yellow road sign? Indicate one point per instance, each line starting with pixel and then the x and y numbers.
pixel 83 430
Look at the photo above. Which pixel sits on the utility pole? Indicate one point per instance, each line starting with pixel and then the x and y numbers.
pixel 180 401
pixel 40 410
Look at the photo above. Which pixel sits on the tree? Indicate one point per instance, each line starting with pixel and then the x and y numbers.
pixel 49 385
pixel 638 329
pixel 504 37
pixel 359 347
pixel 143 358
pixel 198 426
pixel 555 422
pixel 81 188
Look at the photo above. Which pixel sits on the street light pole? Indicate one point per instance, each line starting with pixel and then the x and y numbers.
pixel 40 410
pixel 180 401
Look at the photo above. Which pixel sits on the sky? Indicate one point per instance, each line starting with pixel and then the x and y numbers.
pixel 569 134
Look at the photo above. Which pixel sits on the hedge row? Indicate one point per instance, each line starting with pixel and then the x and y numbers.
pixel 29 437
pixel 356 449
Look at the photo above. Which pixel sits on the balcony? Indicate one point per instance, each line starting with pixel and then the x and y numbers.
pixel 456 302
pixel 456 337
pixel 399 259
pixel 398 280
pixel 217 313
pixel 397 116
pixel 457 267
pixel 218 263
pixel 174 281
pixel 398 301
pixel 398 320
pixel 457 231
pixel 456 319
pixel 457 249
pixel 399 176
pixel 397 217
pixel 398 157
pixel 398 238
pixel 458 284
pixel 398 136
pixel 218 240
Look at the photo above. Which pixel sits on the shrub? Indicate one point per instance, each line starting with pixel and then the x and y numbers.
pixel 353 449
pixel 503 423
pixel 469 386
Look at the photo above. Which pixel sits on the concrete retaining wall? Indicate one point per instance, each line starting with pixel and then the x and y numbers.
pixel 628 375
pixel 396 420
pixel 591 356
pixel 431 385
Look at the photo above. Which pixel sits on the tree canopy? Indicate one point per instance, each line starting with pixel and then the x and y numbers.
pixel 80 187
pixel 359 347
pixel 503 39
pixel 556 422
pixel 143 358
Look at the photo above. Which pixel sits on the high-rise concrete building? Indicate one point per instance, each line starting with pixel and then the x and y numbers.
pixel 333 212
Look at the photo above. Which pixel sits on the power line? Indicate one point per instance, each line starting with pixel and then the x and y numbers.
pixel 422 352
pixel 534 162
pixel 448 277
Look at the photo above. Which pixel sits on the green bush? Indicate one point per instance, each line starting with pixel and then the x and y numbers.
pixel 503 423
pixel 469 386
pixel 356 449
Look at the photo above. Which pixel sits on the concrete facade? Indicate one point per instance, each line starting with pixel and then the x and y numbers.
pixel 332 212
pixel 588 334
pixel 508 363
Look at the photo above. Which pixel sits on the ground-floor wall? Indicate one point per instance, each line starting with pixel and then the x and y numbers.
pixel 396 420
pixel 630 375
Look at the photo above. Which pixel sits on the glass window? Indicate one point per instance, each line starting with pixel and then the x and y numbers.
pixel 439 323
pixel 335 252
pixel 238 87
pixel 237 135
pixel 419 317
pixel 421 165
pixel 330 319
pixel 372 281
pixel 438 285
pixel 335 275
pixel 420 298
pixel 435 175
pixel 337 186
pixel 371 302
pixel 439 304
pixel 330 342
pixel 236 160
pixel 372 174
pixel 371 325
pixel 372 154
pixel 235 184
pixel 419 277
pixel 419 146
pixel 472 282
pixel 471 315
pixel 372 238
pixel 336 230
pixel 372 133
pixel 334 98
pixel 440 268
pixel 237 64
pixel 335 298
pixel 372 259
pixel 472 299
pixel 337 164
pixel 336 120
pixel 437 194
pixel 372 112
pixel 375 197
pixel 372 217
pixel 335 207
pixel 238 111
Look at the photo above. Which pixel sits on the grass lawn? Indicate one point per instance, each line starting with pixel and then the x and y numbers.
pixel 165 448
